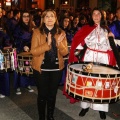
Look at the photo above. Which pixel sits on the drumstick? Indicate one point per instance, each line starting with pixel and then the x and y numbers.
pixel 115 50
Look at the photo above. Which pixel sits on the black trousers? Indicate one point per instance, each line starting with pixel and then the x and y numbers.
pixel 47 83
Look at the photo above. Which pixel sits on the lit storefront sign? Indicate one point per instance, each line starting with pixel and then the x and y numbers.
pixel 8 2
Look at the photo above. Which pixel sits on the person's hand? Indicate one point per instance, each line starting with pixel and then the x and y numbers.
pixel 26 48
pixel 111 34
pixel 60 38
pixel 49 38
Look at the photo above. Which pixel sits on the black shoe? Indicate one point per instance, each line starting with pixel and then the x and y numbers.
pixel 102 115
pixel 83 112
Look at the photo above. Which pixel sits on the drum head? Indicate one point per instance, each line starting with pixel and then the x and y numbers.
pixel 101 70
pixel 101 84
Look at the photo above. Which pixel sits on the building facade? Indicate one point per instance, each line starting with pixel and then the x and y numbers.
pixel 62 4
pixel 76 4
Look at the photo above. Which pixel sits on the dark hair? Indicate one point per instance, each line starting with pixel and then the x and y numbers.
pixel 62 22
pixel 15 12
pixel 22 24
pixel 75 16
pixel 102 22
pixel 82 17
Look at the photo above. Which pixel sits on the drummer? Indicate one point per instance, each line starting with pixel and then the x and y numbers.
pixel 22 37
pixel 96 48
pixel 4 43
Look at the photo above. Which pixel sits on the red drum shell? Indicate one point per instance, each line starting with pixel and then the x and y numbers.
pixel 99 85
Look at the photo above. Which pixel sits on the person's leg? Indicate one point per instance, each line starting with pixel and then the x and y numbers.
pixel 16 77
pixel 4 84
pixel 42 87
pixel 85 107
pixel 53 87
pixel 102 108
pixel 26 82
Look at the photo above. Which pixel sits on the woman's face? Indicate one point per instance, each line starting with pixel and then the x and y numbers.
pixel 50 19
pixel 110 16
pixel 66 22
pixel 96 16
pixel 4 12
pixel 11 14
pixel 76 21
pixel 26 18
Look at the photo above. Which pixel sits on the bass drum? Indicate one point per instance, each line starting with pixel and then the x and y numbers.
pixel 101 84
pixel 24 63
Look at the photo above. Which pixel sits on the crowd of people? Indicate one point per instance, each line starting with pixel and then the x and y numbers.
pixel 47 36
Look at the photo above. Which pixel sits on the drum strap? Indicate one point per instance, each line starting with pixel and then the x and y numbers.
pixel 82 52
pixel 115 51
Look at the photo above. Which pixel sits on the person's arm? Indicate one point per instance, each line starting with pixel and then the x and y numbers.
pixel 38 48
pixel 62 44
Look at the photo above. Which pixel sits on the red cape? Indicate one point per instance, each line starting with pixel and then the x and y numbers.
pixel 79 38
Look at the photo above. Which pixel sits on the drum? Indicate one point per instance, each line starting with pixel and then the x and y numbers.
pixel 8 60
pixel 24 63
pixel 101 84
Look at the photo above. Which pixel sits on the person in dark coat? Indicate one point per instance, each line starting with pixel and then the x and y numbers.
pixel 4 43
pixel 115 27
pixel 22 40
pixel 12 23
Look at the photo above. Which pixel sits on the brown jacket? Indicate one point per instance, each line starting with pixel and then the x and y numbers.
pixel 39 46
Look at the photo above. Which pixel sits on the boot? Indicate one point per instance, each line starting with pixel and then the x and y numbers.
pixel 83 112
pixel 50 109
pixel 41 109
pixel 102 115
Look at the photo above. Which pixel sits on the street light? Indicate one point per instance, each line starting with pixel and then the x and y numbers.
pixel 66 2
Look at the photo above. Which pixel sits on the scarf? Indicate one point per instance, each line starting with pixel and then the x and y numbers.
pixel 52 53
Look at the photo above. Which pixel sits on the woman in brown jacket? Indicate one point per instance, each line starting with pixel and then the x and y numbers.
pixel 48 47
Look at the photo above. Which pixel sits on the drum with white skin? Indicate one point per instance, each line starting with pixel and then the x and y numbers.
pixel 25 63
pixel 98 83
pixel 8 60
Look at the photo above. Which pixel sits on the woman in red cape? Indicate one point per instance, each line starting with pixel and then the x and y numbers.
pixel 99 33
pixel 79 38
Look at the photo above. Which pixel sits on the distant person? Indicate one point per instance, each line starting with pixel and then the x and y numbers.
pixel 115 27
